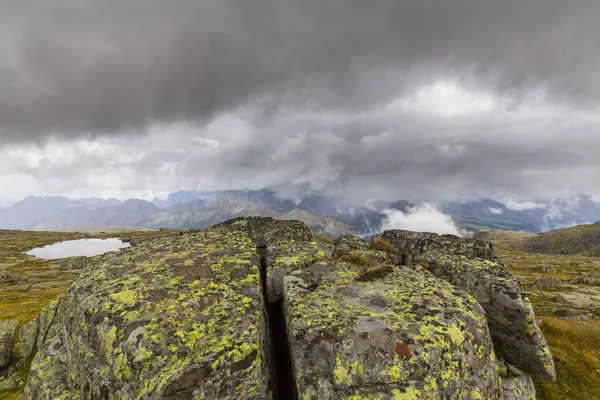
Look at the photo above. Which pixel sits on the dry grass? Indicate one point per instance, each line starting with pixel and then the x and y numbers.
pixel 575 345
pixel 323 238
pixel 24 306
pixel 11 395
pixel 576 349
pixel 357 258
pixel 381 244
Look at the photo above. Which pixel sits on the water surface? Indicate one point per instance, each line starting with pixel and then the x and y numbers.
pixel 77 248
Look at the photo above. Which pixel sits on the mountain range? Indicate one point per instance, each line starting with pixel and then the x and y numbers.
pixel 332 215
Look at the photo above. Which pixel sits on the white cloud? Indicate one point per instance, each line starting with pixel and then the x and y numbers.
pixel 495 210
pixel 451 150
pixel 448 99
pixel 425 217
pixel 523 206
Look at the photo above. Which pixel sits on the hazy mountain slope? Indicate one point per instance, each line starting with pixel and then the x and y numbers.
pixel 401 205
pixel 201 208
pixel 182 196
pixel 580 239
pixel 216 210
pixel 206 213
pixel 577 240
pixel 59 213
pixel 266 198
pixel 25 213
pixel 129 213
pixel 509 239
pixel 321 223
pixel 473 224
pixel 486 213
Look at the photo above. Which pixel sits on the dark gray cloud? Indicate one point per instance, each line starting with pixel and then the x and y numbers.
pixel 388 153
pixel 93 66
pixel 424 100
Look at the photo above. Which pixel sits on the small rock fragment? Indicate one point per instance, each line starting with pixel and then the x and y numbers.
pixel 402 349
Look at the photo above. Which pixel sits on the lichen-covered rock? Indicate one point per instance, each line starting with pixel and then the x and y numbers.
pixel 577 300
pixel 585 280
pixel 543 268
pixel 514 384
pixel 8 330
pixel 289 246
pixel 517 388
pixel 400 334
pixel 347 244
pixel 8 383
pixel 548 282
pixel 33 334
pixel 416 243
pixel 472 266
pixel 28 336
pixel 177 317
pixel 190 315
pixel 73 263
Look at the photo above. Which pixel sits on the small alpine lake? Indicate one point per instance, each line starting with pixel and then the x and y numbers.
pixel 78 248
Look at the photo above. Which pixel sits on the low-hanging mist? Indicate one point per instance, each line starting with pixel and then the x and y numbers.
pixel 426 217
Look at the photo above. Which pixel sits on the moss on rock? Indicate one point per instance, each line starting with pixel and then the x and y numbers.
pixel 182 316
pixel 472 266
pixel 345 334
pixel 175 317
pixel 8 330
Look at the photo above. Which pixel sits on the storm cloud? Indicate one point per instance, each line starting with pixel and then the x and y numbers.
pixel 426 100
pixel 106 66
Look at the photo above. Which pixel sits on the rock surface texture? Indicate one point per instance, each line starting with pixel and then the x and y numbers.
pixel 472 266
pixel 8 329
pixel 259 308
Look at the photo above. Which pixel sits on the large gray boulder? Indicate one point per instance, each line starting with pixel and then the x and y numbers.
pixel 472 266
pixel 178 317
pixel 288 246
pixel 8 330
pixel 517 388
pixel 33 334
pixel 577 300
pixel 386 332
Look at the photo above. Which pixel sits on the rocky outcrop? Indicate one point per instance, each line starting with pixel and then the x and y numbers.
pixel 577 300
pixel 33 334
pixel 288 247
pixel 517 388
pixel 400 333
pixel 549 282
pixel 258 308
pixel 472 266
pixel 514 384
pixel 73 263
pixel 8 329
pixel 177 317
pixel 414 244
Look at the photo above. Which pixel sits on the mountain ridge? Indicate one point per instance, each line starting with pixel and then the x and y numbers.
pixel 188 209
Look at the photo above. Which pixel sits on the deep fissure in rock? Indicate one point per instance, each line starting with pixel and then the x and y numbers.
pixel 282 371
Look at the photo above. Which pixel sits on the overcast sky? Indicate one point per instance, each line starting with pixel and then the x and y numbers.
pixel 423 100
